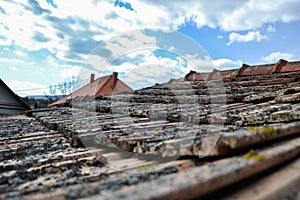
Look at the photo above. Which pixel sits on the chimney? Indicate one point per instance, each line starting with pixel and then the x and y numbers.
pixel 115 79
pixel 277 67
pixel 92 78
pixel 241 70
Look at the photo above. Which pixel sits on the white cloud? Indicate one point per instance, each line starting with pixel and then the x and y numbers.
pixel 250 36
pixel 19 53
pixel 19 25
pixel 200 64
pixel 253 14
pixel 68 71
pixel 275 56
pixel 148 75
pixel 13 68
pixel 74 28
pixel 71 18
pixel 172 48
pixel 123 44
pixel 225 63
pixel 57 32
pixel 229 16
pixel 12 60
pixel 149 70
pixel 25 88
pixel 271 29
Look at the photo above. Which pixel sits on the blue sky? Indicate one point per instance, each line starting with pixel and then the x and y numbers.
pixel 44 42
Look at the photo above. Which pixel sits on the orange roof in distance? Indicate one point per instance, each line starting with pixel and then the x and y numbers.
pixel 105 85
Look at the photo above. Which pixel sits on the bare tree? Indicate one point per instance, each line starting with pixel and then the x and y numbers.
pixel 69 85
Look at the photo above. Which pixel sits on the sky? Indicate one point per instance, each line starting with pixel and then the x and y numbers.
pixel 47 42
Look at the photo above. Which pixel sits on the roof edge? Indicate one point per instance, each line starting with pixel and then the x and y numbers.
pixel 18 98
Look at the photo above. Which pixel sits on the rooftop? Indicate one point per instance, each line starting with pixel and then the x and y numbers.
pixel 232 139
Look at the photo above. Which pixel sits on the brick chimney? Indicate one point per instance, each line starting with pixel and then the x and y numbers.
pixel 92 79
pixel 115 79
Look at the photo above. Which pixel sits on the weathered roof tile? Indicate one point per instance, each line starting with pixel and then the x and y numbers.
pixel 246 125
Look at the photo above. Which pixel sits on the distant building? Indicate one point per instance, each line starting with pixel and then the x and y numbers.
pixel 103 86
pixel 281 66
pixel 10 103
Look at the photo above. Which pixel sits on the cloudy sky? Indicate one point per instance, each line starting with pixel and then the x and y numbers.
pixel 44 42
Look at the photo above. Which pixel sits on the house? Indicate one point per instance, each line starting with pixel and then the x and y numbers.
pixel 10 103
pixel 103 86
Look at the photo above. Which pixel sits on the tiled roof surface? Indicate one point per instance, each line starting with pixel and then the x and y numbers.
pixel 237 139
